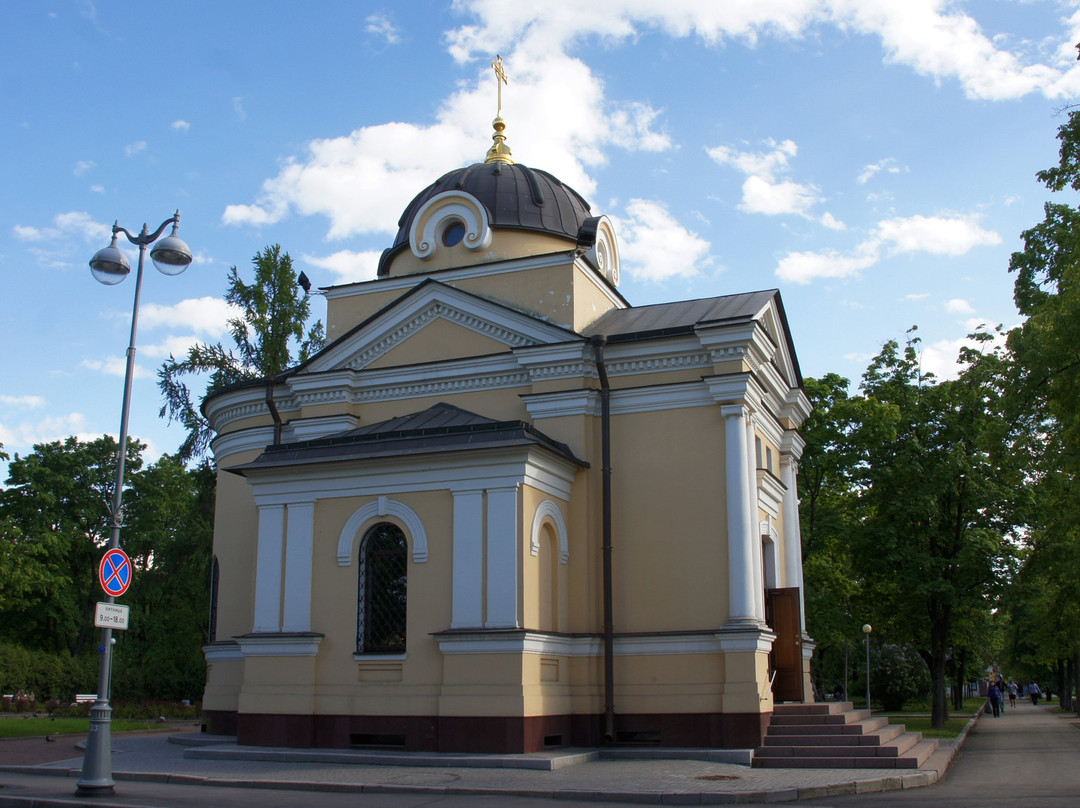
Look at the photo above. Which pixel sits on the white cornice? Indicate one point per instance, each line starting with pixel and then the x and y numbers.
pixel 534 642
pixel 770 493
pixel 243 440
pixel 227 651
pixel 464 470
pixel 279 645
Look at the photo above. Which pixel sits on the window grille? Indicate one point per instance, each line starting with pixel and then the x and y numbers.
pixel 382 591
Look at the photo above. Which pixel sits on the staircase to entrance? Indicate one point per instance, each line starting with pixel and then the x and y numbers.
pixel 834 735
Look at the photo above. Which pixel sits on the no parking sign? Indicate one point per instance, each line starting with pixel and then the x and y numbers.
pixel 114 572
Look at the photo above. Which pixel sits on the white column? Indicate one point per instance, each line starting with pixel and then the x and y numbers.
pixel 793 569
pixel 268 568
pixel 299 535
pixel 467 609
pixel 755 544
pixel 502 558
pixel 740 528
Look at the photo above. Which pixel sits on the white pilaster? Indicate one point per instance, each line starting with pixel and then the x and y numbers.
pixel 268 563
pixel 793 568
pixel 300 533
pixel 467 609
pixel 502 558
pixel 740 524
pixel 755 545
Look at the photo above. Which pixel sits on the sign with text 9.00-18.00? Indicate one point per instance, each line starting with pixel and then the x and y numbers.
pixel 111 615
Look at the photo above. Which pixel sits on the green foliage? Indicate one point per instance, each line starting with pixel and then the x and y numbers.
pixel 54 524
pixel 909 489
pixel 47 675
pixel 54 515
pixel 1043 608
pixel 273 314
pixel 897 675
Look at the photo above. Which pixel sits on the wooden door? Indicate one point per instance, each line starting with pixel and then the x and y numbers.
pixel 783 616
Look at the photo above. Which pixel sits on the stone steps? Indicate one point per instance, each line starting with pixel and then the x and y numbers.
pixel 834 735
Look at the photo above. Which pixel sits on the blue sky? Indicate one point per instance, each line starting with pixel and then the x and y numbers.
pixel 873 159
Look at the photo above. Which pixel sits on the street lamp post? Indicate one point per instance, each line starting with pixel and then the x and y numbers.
pixel 867 628
pixel 110 266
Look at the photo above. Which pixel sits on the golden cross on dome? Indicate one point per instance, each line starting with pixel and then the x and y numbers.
pixel 500 77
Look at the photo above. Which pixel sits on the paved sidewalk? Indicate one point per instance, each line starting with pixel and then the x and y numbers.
pixel 161 759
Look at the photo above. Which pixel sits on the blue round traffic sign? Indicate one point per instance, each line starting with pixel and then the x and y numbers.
pixel 115 572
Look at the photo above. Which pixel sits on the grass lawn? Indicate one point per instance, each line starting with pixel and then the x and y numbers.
pixel 953 726
pixel 971 706
pixel 29 727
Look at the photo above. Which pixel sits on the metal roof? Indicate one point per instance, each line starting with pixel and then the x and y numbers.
pixel 438 429
pixel 684 315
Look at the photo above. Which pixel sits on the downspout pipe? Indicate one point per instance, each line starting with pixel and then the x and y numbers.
pixel 598 343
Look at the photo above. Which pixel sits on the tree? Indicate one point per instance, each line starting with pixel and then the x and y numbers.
pixel 829 520
pixel 936 501
pixel 54 528
pixel 1045 394
pixel 54 515
pixel 272 324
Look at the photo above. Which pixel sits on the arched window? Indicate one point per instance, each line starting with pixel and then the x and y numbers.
pixel 380 619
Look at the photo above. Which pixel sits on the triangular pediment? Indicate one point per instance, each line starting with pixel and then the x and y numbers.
pixel 435 322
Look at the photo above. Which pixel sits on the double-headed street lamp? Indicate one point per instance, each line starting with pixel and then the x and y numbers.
pixel 110 266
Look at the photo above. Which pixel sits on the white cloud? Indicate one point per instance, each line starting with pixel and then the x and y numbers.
pixel 958 306
pixel 135 148
pixel 656 247
pixel 942 358
pixel 238 108
pixel 174 346
pixel 381 26
pixel 205 315
pixel 115 366
pixel 181 125
pixel 917 296
pixel 82 167
pixel 763 164
pixel 888 165
pixel 23 402
pixel 20 437
pixel 762 196
pixel 928 36
pixel 77 223
pixel 938 235
pixel 804 267
pixel 763 191
pixel 831 222
pixel 361 182
pixel 347 266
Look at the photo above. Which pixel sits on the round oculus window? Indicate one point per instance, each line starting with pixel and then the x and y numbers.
pixel 453 233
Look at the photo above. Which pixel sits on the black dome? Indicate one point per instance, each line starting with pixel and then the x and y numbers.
pixel 516 198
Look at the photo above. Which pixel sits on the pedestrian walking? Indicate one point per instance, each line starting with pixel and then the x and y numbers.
pixel 993 693
pixel 1011 687
pixel 1034 692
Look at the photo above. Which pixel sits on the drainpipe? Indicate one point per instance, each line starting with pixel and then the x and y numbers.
pixel 270 380
pixel 598 343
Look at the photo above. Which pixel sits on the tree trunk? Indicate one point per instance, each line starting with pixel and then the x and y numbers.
pixel 958 682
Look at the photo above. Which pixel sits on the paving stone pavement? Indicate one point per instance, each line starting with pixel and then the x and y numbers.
pixel 159 759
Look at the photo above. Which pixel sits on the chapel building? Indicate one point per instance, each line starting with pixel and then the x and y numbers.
pixel 504 510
